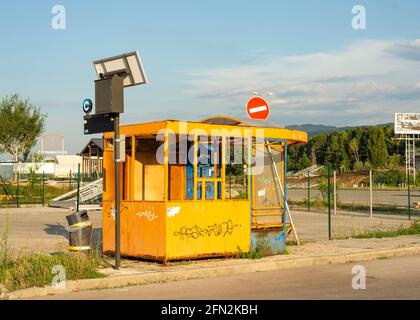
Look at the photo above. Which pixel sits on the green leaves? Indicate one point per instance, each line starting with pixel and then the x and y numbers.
pixel 21 123
pixel 377 149
pixel 353 149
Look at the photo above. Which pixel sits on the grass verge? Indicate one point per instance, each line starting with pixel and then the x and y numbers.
pixel 412 230
pixel 322 207
pixel 254 253
pixel 258 252
pixel 37 270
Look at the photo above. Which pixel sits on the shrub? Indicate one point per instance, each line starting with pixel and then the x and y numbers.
pixel 254 253
pixel 390 178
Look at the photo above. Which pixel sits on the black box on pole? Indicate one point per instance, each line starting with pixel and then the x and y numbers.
pixel 99 123
pixel 109 95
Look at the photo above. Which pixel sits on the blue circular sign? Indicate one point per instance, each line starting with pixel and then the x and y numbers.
pixel 87 105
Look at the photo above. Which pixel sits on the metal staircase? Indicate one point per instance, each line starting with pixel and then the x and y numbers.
pixel 311 171
pixel 90 193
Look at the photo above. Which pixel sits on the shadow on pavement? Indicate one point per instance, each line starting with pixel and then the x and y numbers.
pixel 58 229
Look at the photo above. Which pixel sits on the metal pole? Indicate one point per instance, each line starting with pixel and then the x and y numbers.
pixel 370 195
pixel 285 193
pixel 78 188
pixel 409 198
pixel 414 160
pixel 117 189
pixel 329 202
pixel 17 191
pixel 406 157
pixel 43 188
pixel 286 208
pixel 70 180
pixel 309 192
pixel 335 192
pixel 251 195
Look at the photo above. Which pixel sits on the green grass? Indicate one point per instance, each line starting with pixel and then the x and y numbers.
pixel 291 243
pixel 412 230
pixel 254 253
pixel 30 194
pixel 35 269
pixel 258 252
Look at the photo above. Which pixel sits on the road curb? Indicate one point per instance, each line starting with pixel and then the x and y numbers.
pixel 207 272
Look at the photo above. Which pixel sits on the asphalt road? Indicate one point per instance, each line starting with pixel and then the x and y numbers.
pixel 396 278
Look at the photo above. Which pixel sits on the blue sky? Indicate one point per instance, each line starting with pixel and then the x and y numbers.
pixel 206 58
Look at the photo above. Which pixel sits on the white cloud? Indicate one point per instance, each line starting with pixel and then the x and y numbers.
pixel 407 49
pixel 368 80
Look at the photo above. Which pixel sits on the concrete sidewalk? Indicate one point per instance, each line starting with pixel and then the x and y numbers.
pixel 134 272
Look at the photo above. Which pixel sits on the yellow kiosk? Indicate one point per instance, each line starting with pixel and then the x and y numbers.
pixel 198 189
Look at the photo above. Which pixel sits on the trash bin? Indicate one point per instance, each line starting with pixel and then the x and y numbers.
pixel 80 231
pixel 77 217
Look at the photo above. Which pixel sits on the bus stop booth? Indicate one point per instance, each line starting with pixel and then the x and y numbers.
pixel 198 189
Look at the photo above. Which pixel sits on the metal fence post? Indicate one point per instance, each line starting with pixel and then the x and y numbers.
pixel 370 195
pixel 335 192
pixel 309 192
pixel 409 197
pixel 70 180
pixel 43 189
pixel 78 187
pixel 17 190
pixel 329 201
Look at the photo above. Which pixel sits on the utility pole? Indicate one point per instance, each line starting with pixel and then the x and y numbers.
pixel 309 192
pixel 109 104
pixel 335 192
pixel 117 191
pixel 370 195
pixel 329 201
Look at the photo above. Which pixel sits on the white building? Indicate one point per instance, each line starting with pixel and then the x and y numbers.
pixel 58 166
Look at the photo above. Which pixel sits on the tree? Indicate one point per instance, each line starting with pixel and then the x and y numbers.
pixel 377 149
pixel 318 145
pixel 354 149
pixel 303 162
pixel 357 148
pixel 21 123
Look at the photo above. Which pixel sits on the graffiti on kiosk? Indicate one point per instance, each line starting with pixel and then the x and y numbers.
pixel 217 229
pixel 111 211
pixel 149 215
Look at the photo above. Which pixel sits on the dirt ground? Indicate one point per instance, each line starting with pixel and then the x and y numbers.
pixel 42 229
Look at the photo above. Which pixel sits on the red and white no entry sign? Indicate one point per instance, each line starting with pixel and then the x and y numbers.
pixel 257 108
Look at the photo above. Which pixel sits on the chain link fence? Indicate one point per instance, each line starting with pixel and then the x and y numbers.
pixel 22 188
pixel 335 205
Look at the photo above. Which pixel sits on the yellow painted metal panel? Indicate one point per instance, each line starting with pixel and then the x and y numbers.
pixel 293 136
pixel 142 229
pixel 206 228
pixel 139 129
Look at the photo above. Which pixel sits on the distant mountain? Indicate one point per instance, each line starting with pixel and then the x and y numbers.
pixel 315 129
